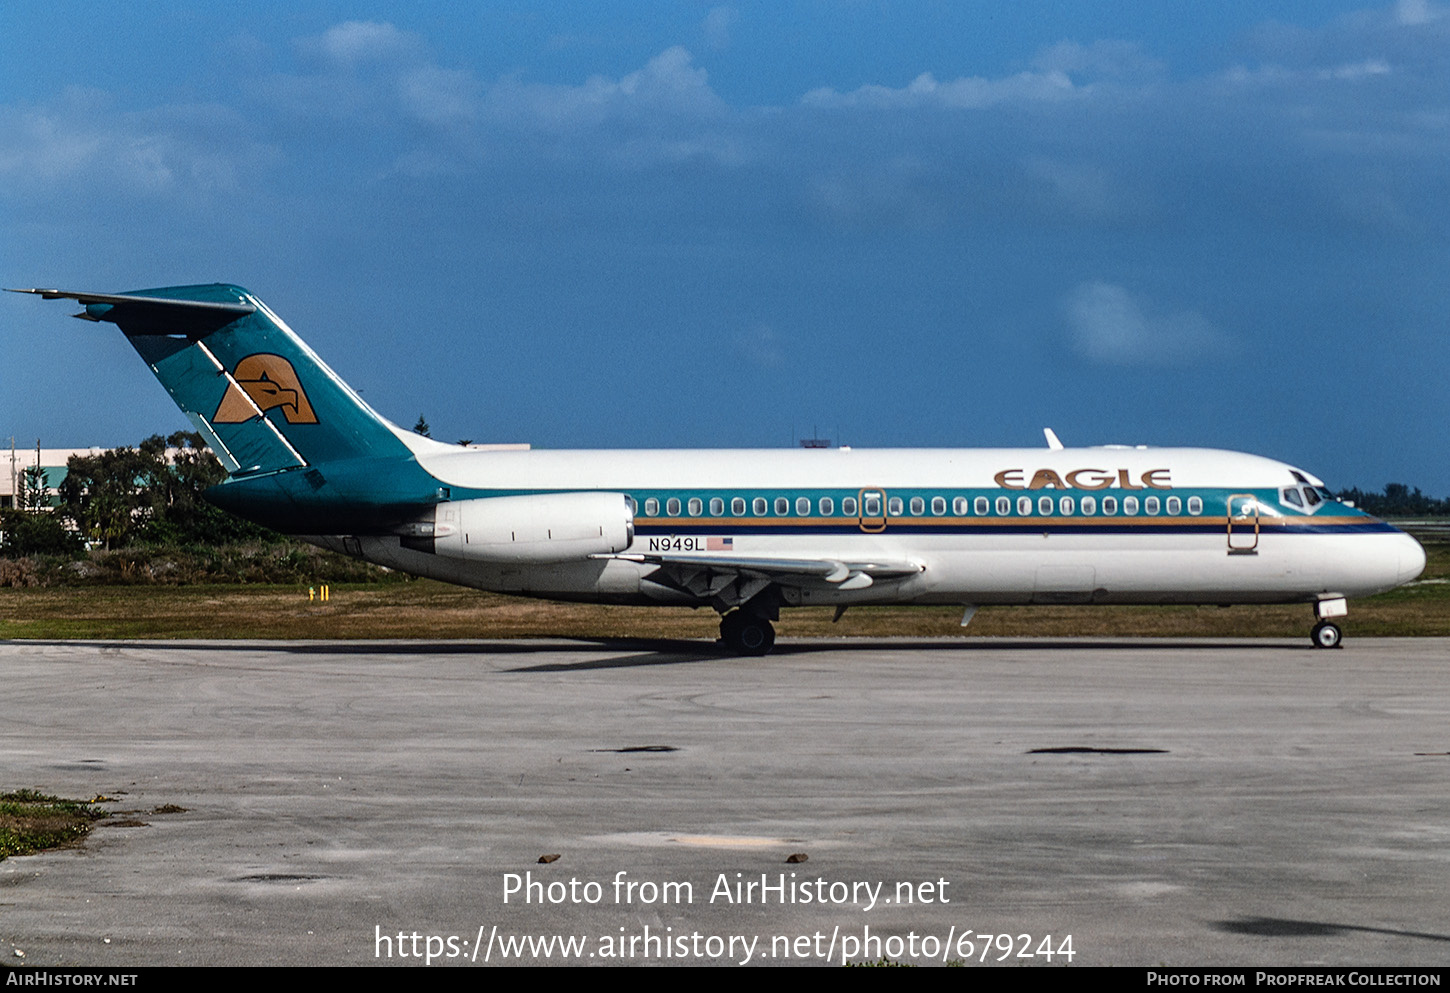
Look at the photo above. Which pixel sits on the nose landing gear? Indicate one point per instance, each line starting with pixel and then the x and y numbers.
pixel 1326 633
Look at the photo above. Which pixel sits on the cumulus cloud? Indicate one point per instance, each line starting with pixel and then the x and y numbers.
pixel 355 43
pixel 1111 326
pixel 1100 59
pixel 669 82
pixel 81 141
pixel 718 23
pixel 958 94
pixel 1417 12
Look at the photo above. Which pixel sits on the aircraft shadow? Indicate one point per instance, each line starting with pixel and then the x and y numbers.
pixel 1277 927
pixel 679 651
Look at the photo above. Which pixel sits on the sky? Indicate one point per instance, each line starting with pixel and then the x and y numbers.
pixel 677 224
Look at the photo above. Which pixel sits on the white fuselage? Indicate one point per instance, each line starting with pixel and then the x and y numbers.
pixel 977 526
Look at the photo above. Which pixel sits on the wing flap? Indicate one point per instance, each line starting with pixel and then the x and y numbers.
pixel 716 576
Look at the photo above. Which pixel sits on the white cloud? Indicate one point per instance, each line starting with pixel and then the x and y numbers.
pixel 958 94
pixel 355 42
pixel 718 23
pixel 1412 12
pixel 1278 75
pixel 80 141
pixel 1112 327
pixel 669 82
pixel 439 96
pixel 1089 191
pixel 1115 59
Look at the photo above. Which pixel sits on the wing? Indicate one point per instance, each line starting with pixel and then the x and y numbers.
pixel 731 580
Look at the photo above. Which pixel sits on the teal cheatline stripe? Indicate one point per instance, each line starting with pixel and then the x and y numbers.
pixel 983 527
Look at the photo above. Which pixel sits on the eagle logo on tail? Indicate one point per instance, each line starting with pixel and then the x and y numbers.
pixel 261 382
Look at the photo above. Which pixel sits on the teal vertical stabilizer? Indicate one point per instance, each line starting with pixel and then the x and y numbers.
pixel 269 407
pixel 255 391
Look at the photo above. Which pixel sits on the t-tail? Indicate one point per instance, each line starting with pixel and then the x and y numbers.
pixel 303 451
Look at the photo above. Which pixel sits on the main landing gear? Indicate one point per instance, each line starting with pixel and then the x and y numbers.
pixel 1326 633
pixel 746 633
pixel 747 630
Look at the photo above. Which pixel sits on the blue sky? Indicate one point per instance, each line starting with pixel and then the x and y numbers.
pixel 700 225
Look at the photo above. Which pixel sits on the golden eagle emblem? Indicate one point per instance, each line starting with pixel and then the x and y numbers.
pixel 268 381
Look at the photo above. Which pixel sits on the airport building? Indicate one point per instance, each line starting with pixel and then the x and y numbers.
pixel 51 463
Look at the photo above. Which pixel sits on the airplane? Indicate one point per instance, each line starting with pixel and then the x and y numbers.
pixel 744 532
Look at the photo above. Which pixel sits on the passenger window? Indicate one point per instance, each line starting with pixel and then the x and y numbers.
pixel 717 507
pixel 737 506
pixel 894 507
pixel 1044 506
pixel 696 506
pixel 828 506
pixel 803 506
pixel 1130 505
pixel 1089 505
pixel 918 506
pixel 1174 505
pixel 1004 506
pixel 651 507
pixel 1064 506
pixel 981 505
pixel 1291 497
pixel 1024 506
pixel 782 506
pixel 760 506
pixel 672 507
pixel 848 506
pixel 959 506
pixel 1195 505
pixel 1150 505
pixel 938 505
pixel 873 505
pixel 1110 505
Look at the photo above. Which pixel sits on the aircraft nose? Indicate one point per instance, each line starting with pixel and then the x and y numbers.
pixel 1412 560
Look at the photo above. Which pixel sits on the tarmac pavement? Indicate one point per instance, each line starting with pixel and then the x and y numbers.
pixel 1161 802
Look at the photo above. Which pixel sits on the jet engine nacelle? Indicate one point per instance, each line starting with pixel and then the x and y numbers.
pixel 545 527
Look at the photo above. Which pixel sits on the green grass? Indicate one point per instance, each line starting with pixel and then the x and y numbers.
pixel 425 609
pixel 32 822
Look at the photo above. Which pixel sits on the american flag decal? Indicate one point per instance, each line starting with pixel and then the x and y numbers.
pixel 719 544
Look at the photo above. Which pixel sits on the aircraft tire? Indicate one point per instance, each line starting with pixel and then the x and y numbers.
pixel 746 634
pixel 1326 635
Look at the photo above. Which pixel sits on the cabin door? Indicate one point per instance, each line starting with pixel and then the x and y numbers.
pixel 1243 524
pixel 873 510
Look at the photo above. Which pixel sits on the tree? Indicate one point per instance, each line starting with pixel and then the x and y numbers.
pixel 151 493
pixel 108 495
pixel 422 428
pixel 1397 500
pixel 25 533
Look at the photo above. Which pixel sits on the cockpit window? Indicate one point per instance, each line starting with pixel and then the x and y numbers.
pixel 1312 496
pixel 1291 496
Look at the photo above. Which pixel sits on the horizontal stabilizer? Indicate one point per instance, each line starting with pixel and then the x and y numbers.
pixel 142 315
pixel 259 396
